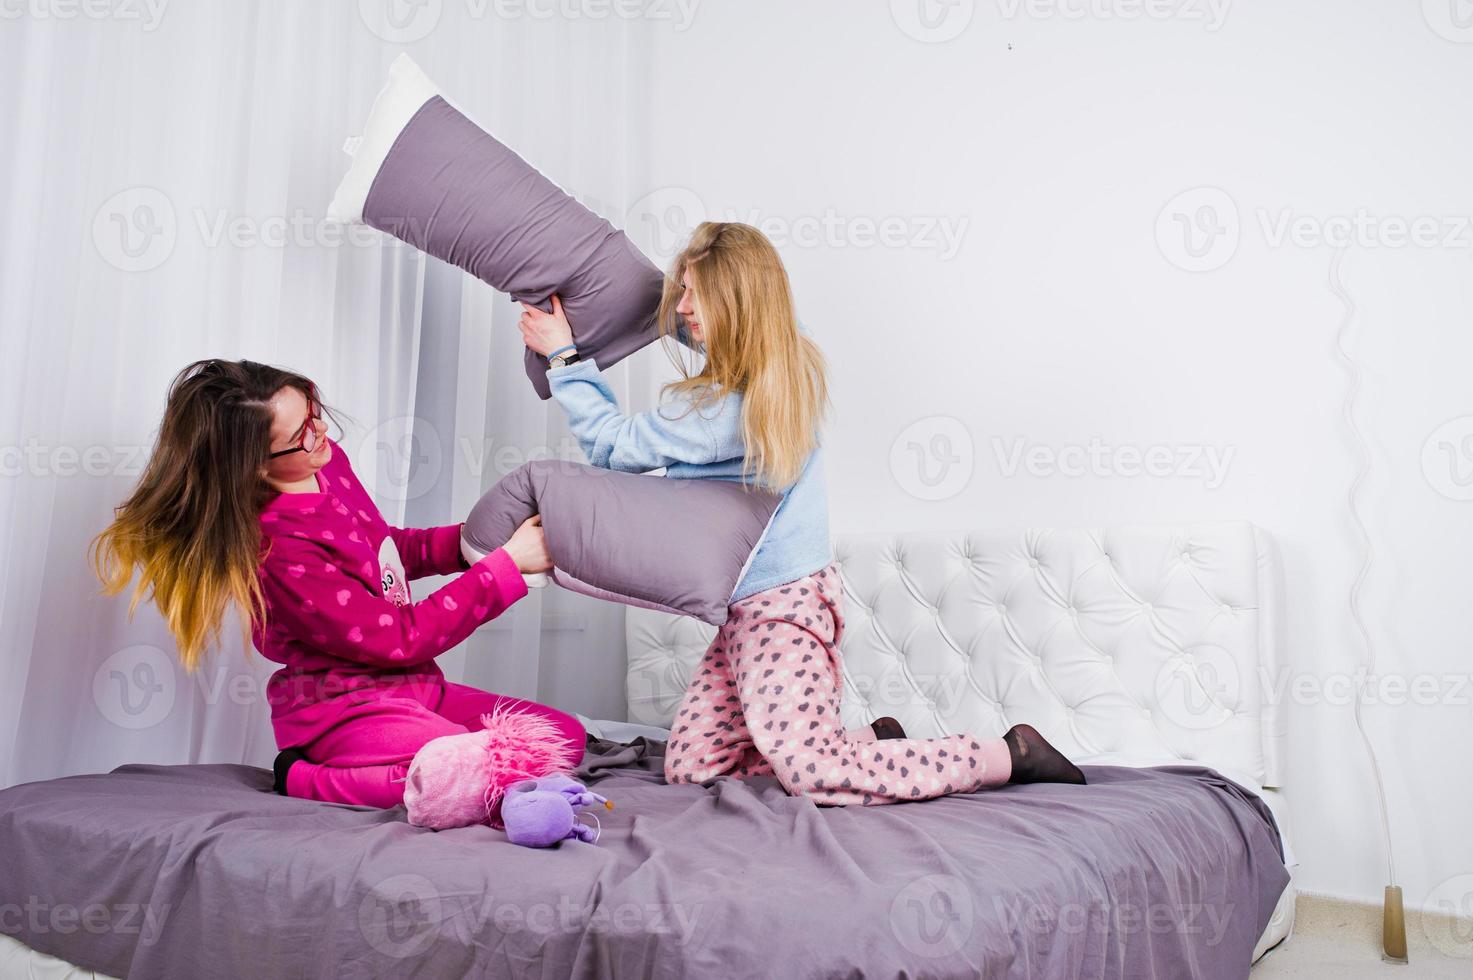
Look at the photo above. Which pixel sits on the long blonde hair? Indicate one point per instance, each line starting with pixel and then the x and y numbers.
pixel 191 528
pixel 753 346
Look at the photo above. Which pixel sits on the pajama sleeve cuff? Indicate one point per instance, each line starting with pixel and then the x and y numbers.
pixel 429 550
pixel 507 584
pixel 444 550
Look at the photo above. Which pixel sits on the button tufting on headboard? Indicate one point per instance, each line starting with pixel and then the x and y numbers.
pixel 1141 645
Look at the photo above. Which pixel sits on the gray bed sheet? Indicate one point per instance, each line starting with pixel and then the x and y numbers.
pixel 200 871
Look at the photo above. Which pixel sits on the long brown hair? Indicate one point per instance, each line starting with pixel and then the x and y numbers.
pixel 753 346
pixel 191 528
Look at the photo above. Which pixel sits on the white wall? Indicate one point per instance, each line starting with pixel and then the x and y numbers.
pixel 1055 135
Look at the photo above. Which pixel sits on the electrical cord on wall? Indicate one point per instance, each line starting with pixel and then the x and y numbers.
pixel 1393 927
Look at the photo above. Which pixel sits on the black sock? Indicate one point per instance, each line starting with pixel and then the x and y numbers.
pixel 887 727
pixel 1036 761
pixel 279 768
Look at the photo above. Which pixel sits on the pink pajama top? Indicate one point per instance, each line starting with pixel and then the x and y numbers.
pixel 339 613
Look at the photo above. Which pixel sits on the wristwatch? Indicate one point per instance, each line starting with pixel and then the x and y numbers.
pixel 563 360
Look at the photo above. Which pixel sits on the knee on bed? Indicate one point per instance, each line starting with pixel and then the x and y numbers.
pixel 801 778
pixel 697 763
pixel 571 730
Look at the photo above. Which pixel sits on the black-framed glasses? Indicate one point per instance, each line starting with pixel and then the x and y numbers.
pixel 310 436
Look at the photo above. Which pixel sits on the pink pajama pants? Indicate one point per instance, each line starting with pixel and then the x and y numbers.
pixel 365 760
pixel 765 701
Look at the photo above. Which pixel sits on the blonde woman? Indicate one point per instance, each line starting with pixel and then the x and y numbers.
pixel 765 698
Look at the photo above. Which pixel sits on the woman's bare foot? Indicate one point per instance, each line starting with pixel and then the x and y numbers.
pixel 887 727
pixel 1036 761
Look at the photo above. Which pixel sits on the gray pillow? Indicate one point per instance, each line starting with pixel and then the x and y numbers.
pixel 676 545
pixel 427 175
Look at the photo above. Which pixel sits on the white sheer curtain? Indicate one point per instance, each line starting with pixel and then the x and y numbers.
pixel 163 184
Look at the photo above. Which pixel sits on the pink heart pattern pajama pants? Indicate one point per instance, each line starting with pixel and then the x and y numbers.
pixel 764 700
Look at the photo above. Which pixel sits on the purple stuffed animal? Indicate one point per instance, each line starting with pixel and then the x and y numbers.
pixel 542 812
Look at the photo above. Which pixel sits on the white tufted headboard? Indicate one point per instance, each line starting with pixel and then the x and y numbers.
pixel 1142 645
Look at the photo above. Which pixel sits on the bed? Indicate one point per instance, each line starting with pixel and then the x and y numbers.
pixel 1137 650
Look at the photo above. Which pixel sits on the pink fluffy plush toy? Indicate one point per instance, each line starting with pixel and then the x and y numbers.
pixel 461 780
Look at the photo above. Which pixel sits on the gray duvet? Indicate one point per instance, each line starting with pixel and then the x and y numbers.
pixel 199 871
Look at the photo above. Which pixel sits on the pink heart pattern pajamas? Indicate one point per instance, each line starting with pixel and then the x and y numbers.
pixel 359 691
pixel 765 701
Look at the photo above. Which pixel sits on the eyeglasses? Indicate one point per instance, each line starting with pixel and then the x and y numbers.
pixel 310 436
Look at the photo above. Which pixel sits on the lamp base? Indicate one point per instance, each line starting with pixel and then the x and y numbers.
pixel 1393 927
